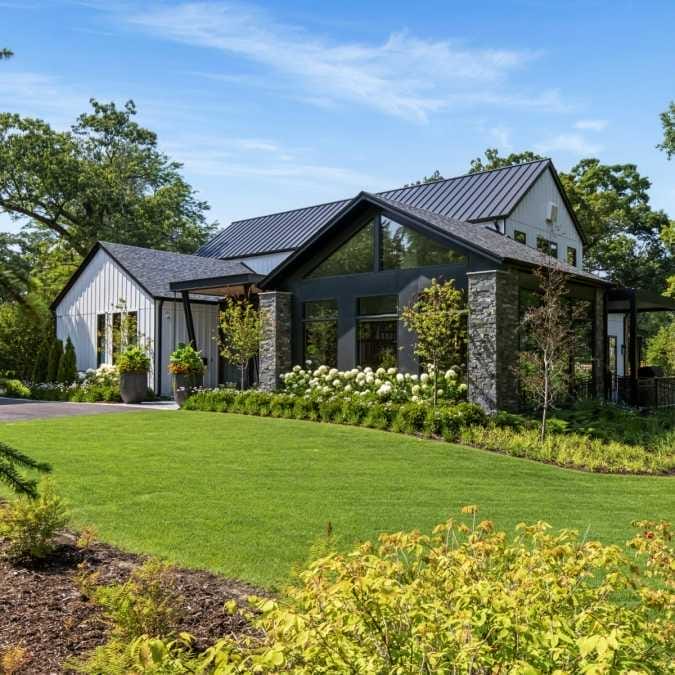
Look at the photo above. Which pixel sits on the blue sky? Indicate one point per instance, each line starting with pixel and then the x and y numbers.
pixel 276 105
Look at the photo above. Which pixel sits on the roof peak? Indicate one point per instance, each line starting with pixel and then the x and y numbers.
pixel 396 189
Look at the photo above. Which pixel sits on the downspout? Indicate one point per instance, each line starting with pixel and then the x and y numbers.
pixel 158 353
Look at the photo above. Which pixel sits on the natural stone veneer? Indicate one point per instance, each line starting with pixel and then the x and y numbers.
pixel 275 346
pixel 493 339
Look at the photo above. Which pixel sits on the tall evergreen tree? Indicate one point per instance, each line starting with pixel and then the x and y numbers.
pixel 41 365
pixel 55 354
pixel 67 372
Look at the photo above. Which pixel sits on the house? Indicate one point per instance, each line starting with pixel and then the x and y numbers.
pixel 333 278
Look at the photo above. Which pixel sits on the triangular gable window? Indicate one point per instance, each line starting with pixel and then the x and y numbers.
pixel 353 257
pixel 405 248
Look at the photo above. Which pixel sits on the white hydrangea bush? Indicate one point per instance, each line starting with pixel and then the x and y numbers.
pixel 105 375
pixel 382 384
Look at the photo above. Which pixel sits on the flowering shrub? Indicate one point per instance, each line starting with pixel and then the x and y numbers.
pixel 465 599
pixel 382 384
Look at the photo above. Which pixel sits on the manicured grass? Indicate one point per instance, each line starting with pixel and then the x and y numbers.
pixel 247 496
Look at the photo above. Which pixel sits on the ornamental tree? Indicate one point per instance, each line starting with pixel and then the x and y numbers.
pixel 549 329
pixel 438 319
pixel 240 333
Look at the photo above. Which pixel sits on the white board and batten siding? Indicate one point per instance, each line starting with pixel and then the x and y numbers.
pixel 530 217
pixel 174 331
pixel 98 290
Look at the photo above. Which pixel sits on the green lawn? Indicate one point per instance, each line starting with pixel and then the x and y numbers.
pixel 247 496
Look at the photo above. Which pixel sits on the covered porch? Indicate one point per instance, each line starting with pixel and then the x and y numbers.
pixel 641 386
pixel 189 293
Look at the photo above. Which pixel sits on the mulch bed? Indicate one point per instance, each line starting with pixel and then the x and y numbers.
pixel 42 610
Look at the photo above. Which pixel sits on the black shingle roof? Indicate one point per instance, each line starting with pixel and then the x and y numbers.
pixel 490 241
pixel 154 269
pixel 474 197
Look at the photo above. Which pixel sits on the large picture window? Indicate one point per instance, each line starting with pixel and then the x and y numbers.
pixel 403 248
pixel 320 332
pixel 353 257
pixel 377 331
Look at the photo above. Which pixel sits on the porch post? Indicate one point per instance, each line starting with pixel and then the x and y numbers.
pixel 493 339
pixel 599 344
pixel 275 346
pixel 633 349
pixel 189 324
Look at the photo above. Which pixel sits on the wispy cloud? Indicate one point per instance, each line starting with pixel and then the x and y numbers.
pixel 501 136
pixel 404 75
pixel 573 143
pixel 591 125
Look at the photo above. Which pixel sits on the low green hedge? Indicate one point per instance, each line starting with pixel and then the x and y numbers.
pixel 89 393
pixel 13 388
pixel 465 423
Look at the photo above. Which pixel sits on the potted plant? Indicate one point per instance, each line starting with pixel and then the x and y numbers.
pixel 187 367
pixel 133 365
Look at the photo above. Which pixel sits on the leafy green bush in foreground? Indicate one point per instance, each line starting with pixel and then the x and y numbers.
pixel 462 600
pixel 460 422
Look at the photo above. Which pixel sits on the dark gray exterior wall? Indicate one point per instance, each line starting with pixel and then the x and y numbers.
pixel 275 346
pixel 346 290
pixel 493 339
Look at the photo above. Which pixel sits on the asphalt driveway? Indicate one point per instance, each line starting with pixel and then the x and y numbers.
pixel 15 409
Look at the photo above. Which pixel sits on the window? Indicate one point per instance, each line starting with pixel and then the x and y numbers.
pixel 377 331
pixel 123 332
pixel 353 257
pixel 402 248
pixel 547 246
pixel 520 236
pixel 100 339
pixel 320 332
pixel 572 256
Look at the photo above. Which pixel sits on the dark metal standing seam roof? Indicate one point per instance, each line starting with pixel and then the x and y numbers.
pixel 485 196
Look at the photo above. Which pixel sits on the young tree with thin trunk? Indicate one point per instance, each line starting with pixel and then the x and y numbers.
pixel 438 319
pixel 550 343
pixel 240 333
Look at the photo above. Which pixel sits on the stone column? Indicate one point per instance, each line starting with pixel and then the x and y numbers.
pixel 493 339
pixel 275 346
pixel 599 343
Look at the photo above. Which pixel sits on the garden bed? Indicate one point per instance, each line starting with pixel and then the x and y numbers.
pixel 43 612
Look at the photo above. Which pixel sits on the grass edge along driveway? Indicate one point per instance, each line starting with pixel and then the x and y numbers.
pixel 247 496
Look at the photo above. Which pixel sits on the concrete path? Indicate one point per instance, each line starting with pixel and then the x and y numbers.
pixel 14 409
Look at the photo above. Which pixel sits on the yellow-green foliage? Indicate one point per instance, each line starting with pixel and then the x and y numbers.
pixel 30 525
pixel 146 605
pixel 575 450
pixel 466 600
pixel 14 389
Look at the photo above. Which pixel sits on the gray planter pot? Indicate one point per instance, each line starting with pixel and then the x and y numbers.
pixel 133 387
pixel 184 386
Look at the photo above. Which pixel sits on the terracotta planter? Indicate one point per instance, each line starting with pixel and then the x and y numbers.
pixel 133 387
pixel 184 386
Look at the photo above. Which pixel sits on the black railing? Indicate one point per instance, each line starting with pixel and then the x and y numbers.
pixel 652 392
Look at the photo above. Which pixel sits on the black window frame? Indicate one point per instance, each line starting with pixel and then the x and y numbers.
pixel 520 236
pixel 101 339
pixel 308 320
pixel 375 221
pixel 384 317
pixel 572 256
pixel 547 247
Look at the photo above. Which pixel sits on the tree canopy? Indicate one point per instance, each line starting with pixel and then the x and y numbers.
pixel 492 160
pixel 668 123
pixel 103 179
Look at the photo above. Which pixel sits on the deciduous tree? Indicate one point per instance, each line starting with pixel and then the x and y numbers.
pixel 438 319
pixel 240 333
pixel 105 178
pixel 549 331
